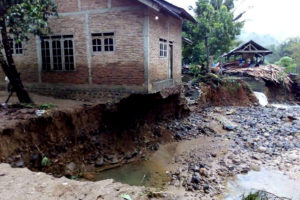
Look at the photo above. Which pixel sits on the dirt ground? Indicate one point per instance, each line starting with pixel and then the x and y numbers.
pixel 22 184
pixel 39 99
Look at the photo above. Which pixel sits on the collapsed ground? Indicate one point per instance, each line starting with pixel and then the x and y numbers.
pixel 213 144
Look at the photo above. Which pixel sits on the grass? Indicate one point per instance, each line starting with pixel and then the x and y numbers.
pixel 46 106
pixel 263 195
pixel 253 196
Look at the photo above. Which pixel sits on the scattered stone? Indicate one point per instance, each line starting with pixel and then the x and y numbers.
pixel 203 172
pixel 196 179
pixel 229 127
pixel 70 169
pixel 88 176
pixel 20 164
pixel 262 149
pixel 99 162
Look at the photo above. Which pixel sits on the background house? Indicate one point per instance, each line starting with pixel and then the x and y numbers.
pixel 105 46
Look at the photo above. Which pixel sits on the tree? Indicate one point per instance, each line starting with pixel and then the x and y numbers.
pixel 288 63
pixel 214 32
pixel 290 48
pixel 19 19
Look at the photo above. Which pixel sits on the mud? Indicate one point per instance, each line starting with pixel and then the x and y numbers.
pixel 230 93
pixel 86 136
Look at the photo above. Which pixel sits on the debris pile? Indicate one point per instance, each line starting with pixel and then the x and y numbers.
pixel 268 73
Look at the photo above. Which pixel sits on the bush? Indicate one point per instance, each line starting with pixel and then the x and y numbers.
pixel 195 70
pixel 288 63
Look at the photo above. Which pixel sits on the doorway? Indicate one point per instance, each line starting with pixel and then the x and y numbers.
pixel 170 70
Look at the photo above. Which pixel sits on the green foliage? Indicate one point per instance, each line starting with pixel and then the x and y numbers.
pixel 26 17
pixel 288 63
pixel 195 70
pixel 216 25
pixel 290 48
pixel 254 196
pixel 45 162
pixel 46 106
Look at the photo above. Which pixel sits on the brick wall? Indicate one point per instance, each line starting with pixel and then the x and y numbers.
pixel 27 63
pixel 67 5
pixel 74 25
pixel 119 3
pixel 125 65
pixel 175 35
pixel 168 28
pixel 93 4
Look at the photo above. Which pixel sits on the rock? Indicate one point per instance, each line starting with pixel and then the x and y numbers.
pixel 298 135
pixel 196 179
pixel 196 168
pixel 254 167
pixel 229 127
pixel 178 136
pixel 196 187
pixel 70 169
pixel 293 157
pixel 266 134
pixel 203 172
pixel 88 176
pixel 99 162
pixel 245 170
pixel 206 188
pixel 190 188
pixel 115 160
pixel 262 149
pixel 20 163
pixel 2 174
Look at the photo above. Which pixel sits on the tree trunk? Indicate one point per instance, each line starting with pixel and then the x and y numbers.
pixel 8 64
pixel 207 55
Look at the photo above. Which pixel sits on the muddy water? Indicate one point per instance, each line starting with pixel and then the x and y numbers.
pixel 150 173
pixel 271 181
pixel 153 172
pixel 145 173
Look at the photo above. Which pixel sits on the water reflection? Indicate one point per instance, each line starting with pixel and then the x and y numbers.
pixel 271 181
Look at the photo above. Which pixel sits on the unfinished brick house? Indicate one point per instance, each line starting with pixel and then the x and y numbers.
pixel 98 46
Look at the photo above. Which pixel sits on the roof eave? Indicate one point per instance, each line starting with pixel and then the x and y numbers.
pixel 177 12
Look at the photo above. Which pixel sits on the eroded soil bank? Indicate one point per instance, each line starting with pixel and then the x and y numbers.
pixel 88 136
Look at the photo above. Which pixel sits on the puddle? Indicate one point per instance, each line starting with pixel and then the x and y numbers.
pixel 284 106
pixel 145 173
pixel 150 173
pixel 271 181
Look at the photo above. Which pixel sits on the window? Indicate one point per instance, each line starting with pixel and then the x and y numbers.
pixel 163 48
pixel 16 47
pixel 58 53
pixel 105 39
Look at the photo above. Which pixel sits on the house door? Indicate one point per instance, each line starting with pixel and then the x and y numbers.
pixel 170 61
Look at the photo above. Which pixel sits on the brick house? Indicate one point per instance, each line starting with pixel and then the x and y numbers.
pixel 96 46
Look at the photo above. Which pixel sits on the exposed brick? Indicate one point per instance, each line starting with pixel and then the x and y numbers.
pixel 126 65
pixel 93 4
pixel 67 5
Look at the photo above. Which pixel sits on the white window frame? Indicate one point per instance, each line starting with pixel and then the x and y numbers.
pixel 14 49
pixel 62 39
pixel 102 37
pixel 164 51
